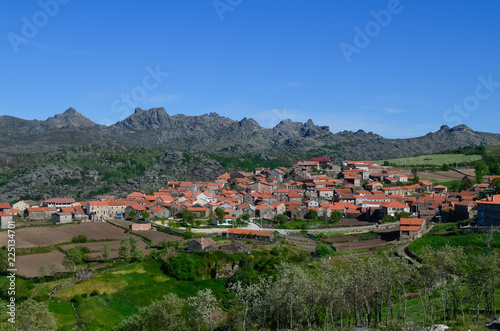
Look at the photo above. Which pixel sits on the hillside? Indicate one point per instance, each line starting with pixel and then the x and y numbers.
pixel 69 155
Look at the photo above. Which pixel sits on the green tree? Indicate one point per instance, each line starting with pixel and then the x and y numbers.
pixel 335 216
pixel 245 217
pixel 495 185
pixel 188 216
pixel 466 184
pixel 145 214
pixel 164 314
pixel 323 250
pixel 220 213
pixel 481 170
pixel 4 261
pixel 35 316
pixel 181 267
pixel 124 252
pixel 132 214
pixel 280 219
pixel 79 239
pixel 4 323
pixel 312 214
pixel 105 251
pixel 445 167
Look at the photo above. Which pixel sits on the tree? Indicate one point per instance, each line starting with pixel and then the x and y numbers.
pixel 35 316
pixel 481 170
pixel 220 213
pixel 4 323
pixel 129 251
pixel 124 252
pixel 445 167
pixel 105 251
pixel 76 254
pixel 181 267
pixel 414 172
pixel 335 216
pixel 79 239
pixel 200 308
pixel 188 216
pixel 42 271
pixel 132 214
pixel 495 185
pixel 145 214
pixel 53 270
pixel 164 314
pixel 466 184
pixel 4 261
pixel 245 217
pixel 323 250
pixel 280 219
pixel 68 264
pixel 312 214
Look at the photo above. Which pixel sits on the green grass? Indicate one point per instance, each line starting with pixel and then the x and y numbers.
pixel 448 234
pixel 434 159
pixel 493 150
pixel 127 290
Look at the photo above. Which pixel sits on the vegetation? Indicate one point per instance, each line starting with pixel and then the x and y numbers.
pixel 438 160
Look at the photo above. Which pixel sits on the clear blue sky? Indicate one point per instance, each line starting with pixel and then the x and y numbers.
pixel 267 60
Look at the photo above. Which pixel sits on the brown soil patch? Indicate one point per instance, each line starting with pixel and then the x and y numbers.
pixel 155 236
pixel 446 175
pixel 28 265
pixel 51 235
pixel 302 243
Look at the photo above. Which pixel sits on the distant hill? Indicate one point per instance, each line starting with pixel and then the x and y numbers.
pixel 69 155
pixel 217 134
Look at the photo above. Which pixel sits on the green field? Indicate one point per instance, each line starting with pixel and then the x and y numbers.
pixel 448 234
pixel 121 293
pixel 434 160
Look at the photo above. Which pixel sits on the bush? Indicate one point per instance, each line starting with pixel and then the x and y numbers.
pixel 85 250
pixel 94 293
pixel 77 298
pixel 79 239
pixel 323 250
pixel 84 295
pixel 181 267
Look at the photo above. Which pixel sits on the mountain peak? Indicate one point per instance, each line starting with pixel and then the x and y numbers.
pixel 70 119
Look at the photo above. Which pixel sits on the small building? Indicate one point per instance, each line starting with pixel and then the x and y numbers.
pixel 200 244
pixel 62 217
pixel 25 204
pixel 394 207
pixel 140 227
pixel 59 202
pixel 5 207
pixel 411 228
pixel 5 219
pixel 40 213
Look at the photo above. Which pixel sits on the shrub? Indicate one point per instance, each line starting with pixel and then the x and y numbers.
pixel 79 239
pixel 94 293
pixel 77 298
pixel 323 250
pixel 85 250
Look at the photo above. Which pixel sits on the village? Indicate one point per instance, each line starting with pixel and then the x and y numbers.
pixel 318 192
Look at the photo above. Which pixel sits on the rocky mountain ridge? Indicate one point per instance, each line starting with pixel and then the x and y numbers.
pixel 211 132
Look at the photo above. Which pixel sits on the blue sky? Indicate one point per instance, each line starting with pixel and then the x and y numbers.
pixel 396 68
